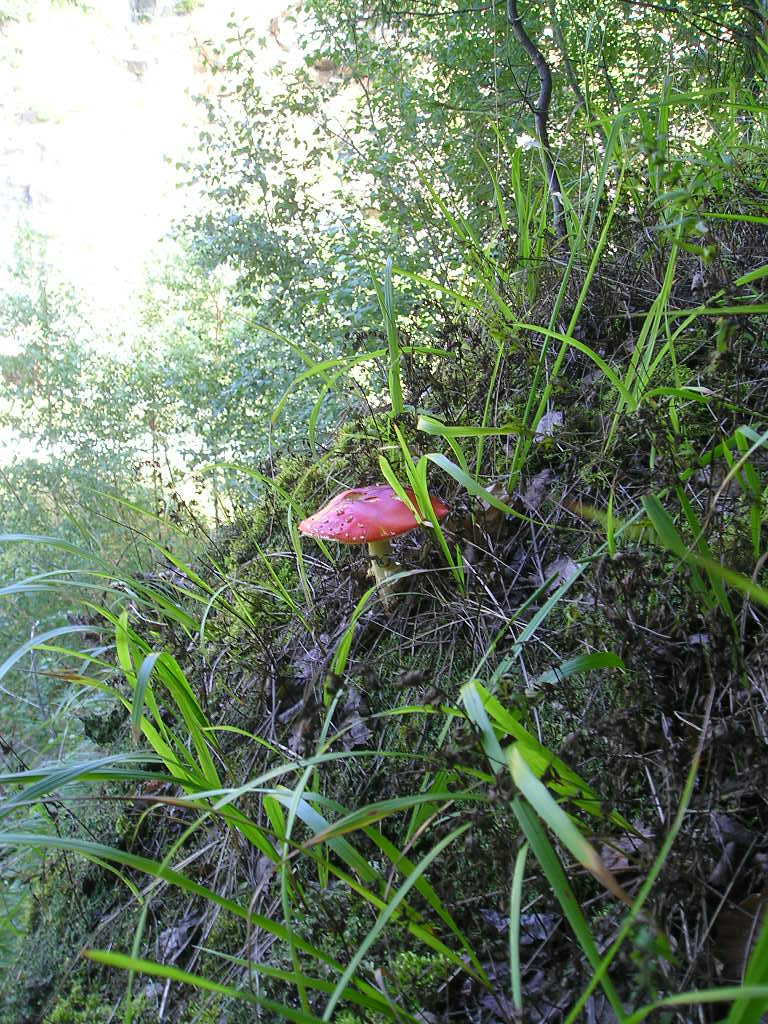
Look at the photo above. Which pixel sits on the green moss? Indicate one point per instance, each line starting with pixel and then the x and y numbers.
pixel 215 1009
pixel 49 978
pixel 79 1008
pixel 352 461
pixel 67 903
pixel 414 974
pixel 87 1006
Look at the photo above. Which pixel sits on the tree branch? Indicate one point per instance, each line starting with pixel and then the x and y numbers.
pixel 541 115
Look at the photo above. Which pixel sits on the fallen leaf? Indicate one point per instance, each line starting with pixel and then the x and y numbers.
pixel 172 942
pixel 625 854
pixel 355 732
pixel 536 490
pixel 563 569
pixel 736 931
pixel 547 424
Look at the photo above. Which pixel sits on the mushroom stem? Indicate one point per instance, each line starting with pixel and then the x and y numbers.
pixel 382 565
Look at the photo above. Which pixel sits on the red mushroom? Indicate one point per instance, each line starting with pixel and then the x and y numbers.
pixel 372 516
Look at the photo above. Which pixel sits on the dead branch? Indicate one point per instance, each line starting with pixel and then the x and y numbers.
pixel 541 115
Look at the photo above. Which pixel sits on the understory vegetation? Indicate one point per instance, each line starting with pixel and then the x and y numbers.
pixel 513 258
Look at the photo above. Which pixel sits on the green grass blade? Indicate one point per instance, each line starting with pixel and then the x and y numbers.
pixel 472 700
pixel 561 823
pixel 371 1000
pixel 473 487
pixel 158 870
pixel 431 425
pixel 384 917
pixel 703 998
pixel 386 296
pixel 672 540
pixel 134 963
pixel 582 663
pixel 515 909
pixel 139 691
pixel 36 641
pixel 752 1011
pixel 550 865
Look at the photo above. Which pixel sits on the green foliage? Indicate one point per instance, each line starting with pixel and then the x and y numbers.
pixel 194 357
pixel 305 194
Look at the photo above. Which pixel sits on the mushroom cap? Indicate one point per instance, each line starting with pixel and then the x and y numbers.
pixel 366 515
